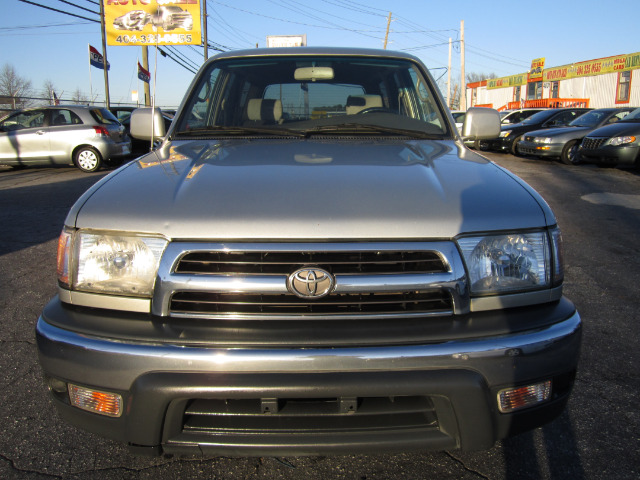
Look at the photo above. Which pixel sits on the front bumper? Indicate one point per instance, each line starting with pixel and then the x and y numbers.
pixel 540 149
pixel 293 401
pixel 626 155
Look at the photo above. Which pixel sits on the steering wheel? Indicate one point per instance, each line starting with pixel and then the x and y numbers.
pixel 375 109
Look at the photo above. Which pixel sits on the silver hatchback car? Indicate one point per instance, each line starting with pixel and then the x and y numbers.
pixel 87 136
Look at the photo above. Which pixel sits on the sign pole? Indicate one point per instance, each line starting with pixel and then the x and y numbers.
pixel 104 51
pixel 90 81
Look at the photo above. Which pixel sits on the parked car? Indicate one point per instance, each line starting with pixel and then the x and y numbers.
pixel 82 135
pixel 310 283
pixel 614 145
pixel 458 117
pixel 122 112
pixel 510 135
pixel 507 117
pixel 564 142
pixel 516 116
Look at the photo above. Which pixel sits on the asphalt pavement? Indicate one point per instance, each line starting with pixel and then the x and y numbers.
pixel 598 437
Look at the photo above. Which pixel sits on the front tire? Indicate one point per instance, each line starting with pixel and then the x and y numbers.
pixel 514 146
pixel 481 145
pixel 87 159
pixel 570 154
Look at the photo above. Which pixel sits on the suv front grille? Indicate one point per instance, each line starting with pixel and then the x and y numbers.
pixel 592 143
pixel 378 303
pixel 251 281
pixel 283 263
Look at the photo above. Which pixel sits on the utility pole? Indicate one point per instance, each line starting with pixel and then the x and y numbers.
pixel 463 82
pixel 104 51
pixel 449 77
pixel 145 65
pixel 386 35
pixel 204 27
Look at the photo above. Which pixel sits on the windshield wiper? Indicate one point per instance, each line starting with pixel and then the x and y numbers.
pixel 218 130
pixel 368 128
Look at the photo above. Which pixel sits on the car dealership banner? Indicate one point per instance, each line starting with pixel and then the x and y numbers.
pixel 618 63
pixel 152 22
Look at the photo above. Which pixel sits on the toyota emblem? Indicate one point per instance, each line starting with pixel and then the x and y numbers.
pixel 310 283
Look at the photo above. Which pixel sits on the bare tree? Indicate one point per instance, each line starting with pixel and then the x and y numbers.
pixel 49 89
pixel 473 77
pixel 15 88
pixel 79 97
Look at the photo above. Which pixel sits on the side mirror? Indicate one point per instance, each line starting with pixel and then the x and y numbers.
pixel 481 123
pixel 147 123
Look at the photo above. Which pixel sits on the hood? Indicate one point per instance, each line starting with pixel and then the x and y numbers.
pixel 310 190
pixel 616 129
pixel 565 133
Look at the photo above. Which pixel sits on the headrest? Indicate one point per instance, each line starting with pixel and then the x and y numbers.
pixel 357 103
pixel 268 111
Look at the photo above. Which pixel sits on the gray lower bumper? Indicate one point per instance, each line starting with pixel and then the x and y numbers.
pixel 459 379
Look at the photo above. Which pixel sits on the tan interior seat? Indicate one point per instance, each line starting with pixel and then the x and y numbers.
pixel 357 103
pixel 264 111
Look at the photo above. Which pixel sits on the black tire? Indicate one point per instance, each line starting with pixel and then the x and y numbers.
pixel 570 153
pixel 87 159
pixel 481 145
pixel 514 146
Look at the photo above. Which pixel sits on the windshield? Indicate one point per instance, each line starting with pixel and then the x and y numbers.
pixel 590 119
pixel 634 116
pixel 313 95
pixel 104 116
pixel 539 117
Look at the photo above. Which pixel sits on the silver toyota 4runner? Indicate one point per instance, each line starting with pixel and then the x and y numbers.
pixel 311 262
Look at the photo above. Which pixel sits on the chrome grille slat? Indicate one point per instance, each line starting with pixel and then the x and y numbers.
pixel 229 281
pixel 202 302
pixel 283 263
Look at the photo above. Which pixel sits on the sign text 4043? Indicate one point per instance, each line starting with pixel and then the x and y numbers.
pixel 152 39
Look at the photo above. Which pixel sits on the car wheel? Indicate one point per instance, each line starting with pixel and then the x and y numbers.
pixel 570 153
pixel 514 146
pixel 481 145
pixel 87 159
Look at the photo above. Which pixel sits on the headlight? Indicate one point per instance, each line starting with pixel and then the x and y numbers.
pixel 109 263
pixel 542 139
pixel 615 141
pixel 512 262
pixel 505 133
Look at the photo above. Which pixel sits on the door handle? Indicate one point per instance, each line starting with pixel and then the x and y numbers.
pixel 41 132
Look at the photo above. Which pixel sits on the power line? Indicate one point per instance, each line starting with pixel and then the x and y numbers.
pixel 78 6
pixel 59 11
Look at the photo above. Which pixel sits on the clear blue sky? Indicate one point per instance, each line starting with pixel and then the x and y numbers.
pixel 502 37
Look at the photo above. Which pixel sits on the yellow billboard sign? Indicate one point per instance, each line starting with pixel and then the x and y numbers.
pixel 601 66
pixel 152 22
pixel 511 81
pixel 536 70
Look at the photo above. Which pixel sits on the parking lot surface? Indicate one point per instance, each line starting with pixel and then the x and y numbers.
pixel 598 436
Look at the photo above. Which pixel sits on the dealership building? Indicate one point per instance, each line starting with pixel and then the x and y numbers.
pixel 599 83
